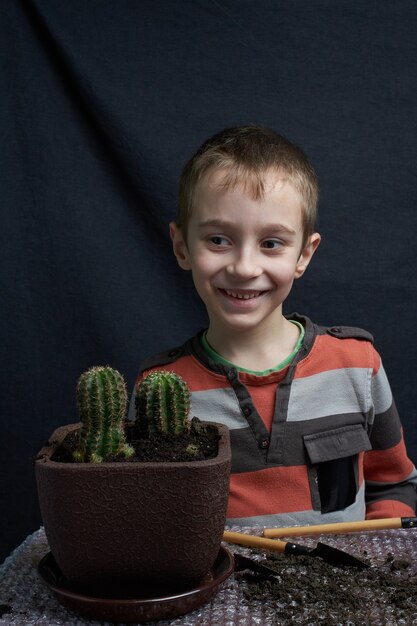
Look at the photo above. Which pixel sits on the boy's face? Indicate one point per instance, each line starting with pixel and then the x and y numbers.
pixel 244 254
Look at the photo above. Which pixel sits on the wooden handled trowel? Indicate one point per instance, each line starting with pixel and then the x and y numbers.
pixel 327 553
pixel 339 528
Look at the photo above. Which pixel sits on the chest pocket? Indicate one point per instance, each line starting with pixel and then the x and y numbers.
pixel 333 468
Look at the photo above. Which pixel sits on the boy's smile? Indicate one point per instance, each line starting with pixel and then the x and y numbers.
pixel 242 294
pixel 244 253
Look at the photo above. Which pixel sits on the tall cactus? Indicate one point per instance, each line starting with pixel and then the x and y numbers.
pixel 162 404
pixel 101 401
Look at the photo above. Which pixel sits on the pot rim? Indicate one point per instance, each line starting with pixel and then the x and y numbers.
pixel 57 437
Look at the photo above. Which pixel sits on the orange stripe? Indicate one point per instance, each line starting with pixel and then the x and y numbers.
pixel 361 457
pixel 264 401
pixel 274 490
pixel 388 508
pixel 331 353
pixel 388 466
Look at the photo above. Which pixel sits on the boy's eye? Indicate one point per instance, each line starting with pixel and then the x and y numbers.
pixel 271 244
pixel 218 241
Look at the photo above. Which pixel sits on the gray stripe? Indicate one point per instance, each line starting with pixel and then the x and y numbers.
pixel 292 450
pixel 381 391
pixel 218 405
pixel 403 492
pixel 330 393
pixel 214 405
pixel 386 430
pixel 303 518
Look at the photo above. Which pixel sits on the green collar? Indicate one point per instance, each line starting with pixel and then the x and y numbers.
pixel 217 358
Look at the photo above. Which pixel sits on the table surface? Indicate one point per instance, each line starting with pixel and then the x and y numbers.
pixel 25 600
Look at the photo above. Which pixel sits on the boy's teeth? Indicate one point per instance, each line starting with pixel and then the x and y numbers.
pixel 242 296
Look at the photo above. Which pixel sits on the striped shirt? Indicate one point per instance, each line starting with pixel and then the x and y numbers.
pixel 317 442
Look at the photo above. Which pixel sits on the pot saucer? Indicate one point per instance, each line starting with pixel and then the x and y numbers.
pixel 145 606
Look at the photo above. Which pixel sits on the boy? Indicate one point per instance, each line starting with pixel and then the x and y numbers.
pixel 315 434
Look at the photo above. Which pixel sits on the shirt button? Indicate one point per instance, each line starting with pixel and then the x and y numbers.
pixel 264 444
pixel 247 410
pixel 231 374
pixel 336 329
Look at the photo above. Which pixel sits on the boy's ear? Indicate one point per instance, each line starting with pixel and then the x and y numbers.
pixel 179 246
pixel 306 254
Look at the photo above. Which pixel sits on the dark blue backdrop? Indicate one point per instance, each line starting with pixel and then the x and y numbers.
pixel 103 102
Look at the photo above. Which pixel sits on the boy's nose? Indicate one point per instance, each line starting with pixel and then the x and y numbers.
pixel 244 265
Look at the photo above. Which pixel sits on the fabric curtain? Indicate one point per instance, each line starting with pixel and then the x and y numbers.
pixel 103 102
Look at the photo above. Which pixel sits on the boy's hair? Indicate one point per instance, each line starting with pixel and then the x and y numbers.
pixel 245 154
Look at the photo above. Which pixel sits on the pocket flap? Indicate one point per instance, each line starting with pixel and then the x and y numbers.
pixel 337 443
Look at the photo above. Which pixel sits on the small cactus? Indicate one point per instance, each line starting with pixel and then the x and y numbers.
pixel 162 404
pixel 193 450
pixel 101 401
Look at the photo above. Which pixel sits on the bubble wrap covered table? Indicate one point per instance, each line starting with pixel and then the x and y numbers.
pixel 25 600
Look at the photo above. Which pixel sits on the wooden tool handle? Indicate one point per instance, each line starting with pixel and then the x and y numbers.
pixel 335 529
pixel 254 542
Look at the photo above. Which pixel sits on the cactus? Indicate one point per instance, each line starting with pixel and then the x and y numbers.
pixel 193 450
pixel 101 401
pixel 162 404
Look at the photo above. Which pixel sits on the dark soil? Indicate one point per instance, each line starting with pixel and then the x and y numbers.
pixel 200 443
pixel 5 608
pixel 310 592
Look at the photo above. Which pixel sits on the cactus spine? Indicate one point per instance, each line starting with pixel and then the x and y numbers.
pixel 162 404
pixel 101 401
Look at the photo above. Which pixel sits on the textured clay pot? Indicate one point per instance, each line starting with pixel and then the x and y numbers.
pixel 159 523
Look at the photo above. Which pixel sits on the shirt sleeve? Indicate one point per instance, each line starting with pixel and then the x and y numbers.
pixel 390 476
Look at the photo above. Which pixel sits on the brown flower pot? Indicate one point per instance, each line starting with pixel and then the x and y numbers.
pixel 159 523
